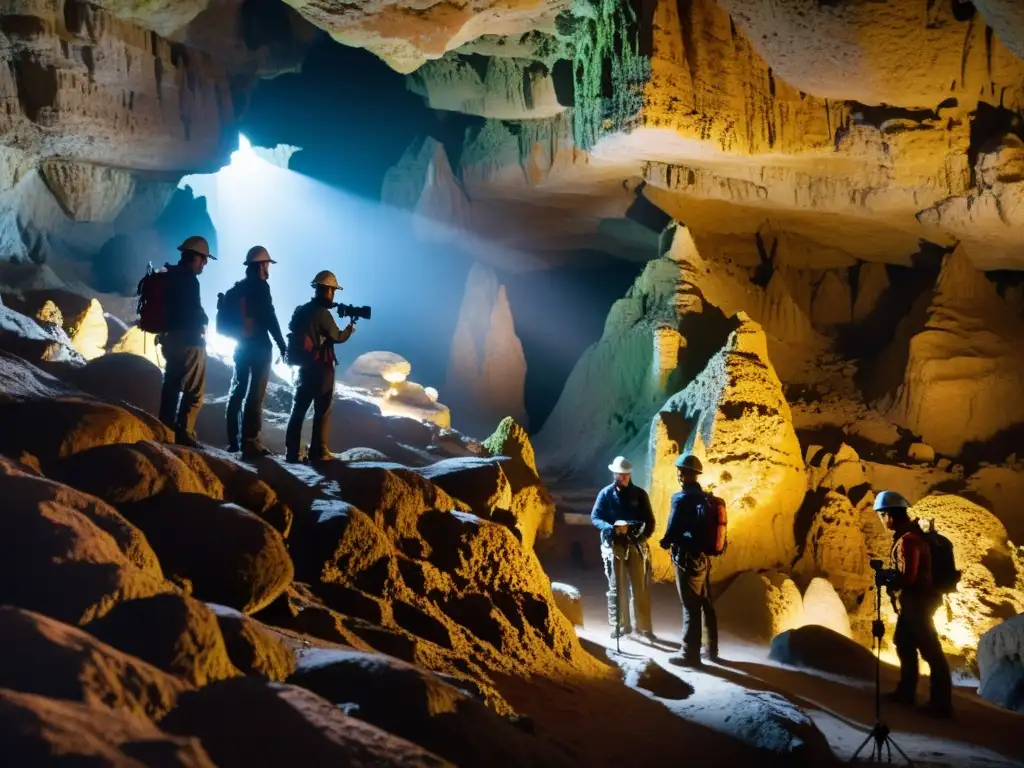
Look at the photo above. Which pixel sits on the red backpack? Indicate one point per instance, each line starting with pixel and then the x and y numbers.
pixel 152 303
pixel 711 529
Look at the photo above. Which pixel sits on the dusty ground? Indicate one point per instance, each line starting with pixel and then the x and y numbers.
pixel 641 727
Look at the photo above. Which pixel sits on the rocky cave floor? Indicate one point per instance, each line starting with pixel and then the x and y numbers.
pixel 169 606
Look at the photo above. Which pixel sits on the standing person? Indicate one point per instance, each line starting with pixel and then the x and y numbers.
pixel 312 336
pixel 622 513
pixel 184 342
pixel 683 537
pixel 249 311
pixel 918 602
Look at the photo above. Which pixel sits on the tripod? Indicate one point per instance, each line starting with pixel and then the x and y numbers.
pixel 879 734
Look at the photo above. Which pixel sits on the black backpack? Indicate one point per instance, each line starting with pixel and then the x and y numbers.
pixel 231 317
pixel 945 576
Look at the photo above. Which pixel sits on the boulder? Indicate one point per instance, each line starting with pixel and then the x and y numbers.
pixel 458 586
pixel 835 546
pixel 823 607
pixel 307 729
pixel 532 504
pixel 1004 685
pixel 1001 664
pixel 353 455
pixel 479 483
pixel 172 632
pixel 51 421
pixel 35 341
pixel 819 648
pixel 81 318
pixel 992 585
pixel 377 371
pixel 757 607
pixel 67 555
pixel 123 474
pixel 45 657
pixel 41 731
pixel 735 418
pixel 922 453
pixel 135 341
pixel 121 376
pixel 569 601
pixel 254 648
pixel 434 714
pixel 227 553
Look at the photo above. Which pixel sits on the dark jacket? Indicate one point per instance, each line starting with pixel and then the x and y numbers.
pixel 260 317
pixel 185 315
pixel 631 504
pixel 315 320
pixel 682 516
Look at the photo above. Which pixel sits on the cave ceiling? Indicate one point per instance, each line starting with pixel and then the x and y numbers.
pixel 861 128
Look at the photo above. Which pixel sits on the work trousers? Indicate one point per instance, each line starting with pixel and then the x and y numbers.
pixel 693 585
pixel 915 633
pixel 248 383
pixel 184 378
pixel 315 387
pixel 627 568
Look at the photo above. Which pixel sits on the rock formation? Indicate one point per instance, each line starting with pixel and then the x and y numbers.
pixel 486 368
pixel 956 362
pixel 733 416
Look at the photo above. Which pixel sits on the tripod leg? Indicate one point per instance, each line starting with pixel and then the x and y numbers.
pixel 863 744
pixel 902 753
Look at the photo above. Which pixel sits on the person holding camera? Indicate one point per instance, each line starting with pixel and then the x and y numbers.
pixel 311 339
pixel 918 599
pixel 685 538
pixel 623 515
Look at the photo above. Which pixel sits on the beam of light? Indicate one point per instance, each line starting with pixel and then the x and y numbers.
pixel 415 287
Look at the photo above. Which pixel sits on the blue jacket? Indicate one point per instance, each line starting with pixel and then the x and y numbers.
pixel 631 504
pixel 683 516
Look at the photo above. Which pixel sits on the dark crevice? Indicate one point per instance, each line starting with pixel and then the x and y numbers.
pixel 646 213
pixel 989 126
pixel 565 86
pixel 265 23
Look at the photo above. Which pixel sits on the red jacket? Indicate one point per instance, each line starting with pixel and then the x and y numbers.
pixel 912 556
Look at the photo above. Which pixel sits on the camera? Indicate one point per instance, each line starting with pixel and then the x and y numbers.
pixel 884 577
pixel 353 312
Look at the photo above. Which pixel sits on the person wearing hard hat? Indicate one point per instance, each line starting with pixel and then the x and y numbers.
pixel 256 324
pixel 918 601
pixel 312 336
pixel 693 565
pixel 623 515
pixel 184 342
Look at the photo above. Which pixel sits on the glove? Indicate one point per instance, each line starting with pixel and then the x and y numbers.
pixel 607 534
pixel 664 544
pixel 636 530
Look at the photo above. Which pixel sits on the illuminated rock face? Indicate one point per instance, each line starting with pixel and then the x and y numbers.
pixel 955 366
pixel 406 34
pixel 992 586
pixel 733 416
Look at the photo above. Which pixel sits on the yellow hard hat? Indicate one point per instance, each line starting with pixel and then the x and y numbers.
pixel 258 254
pixel 197 244
pixel 326 279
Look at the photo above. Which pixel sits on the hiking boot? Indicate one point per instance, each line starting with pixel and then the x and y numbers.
pixel 233 448
pixel 294 458
pixel 899 697
pixel 690 660
pixel 621 632
pixel 711 655
pixel 181 437
pixel 319 458
pixel 647 635
pixel 937 710
pixel 251 452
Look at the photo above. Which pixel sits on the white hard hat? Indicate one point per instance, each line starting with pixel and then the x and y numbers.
pixel 621 466
pixel 258 254
pixel 890 500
